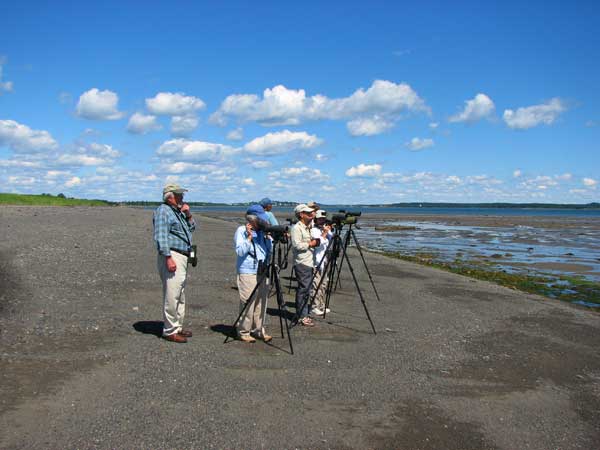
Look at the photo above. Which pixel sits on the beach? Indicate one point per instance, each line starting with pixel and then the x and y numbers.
pixel 457 363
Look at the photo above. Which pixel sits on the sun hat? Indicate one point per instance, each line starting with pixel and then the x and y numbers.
pixel 174 188
pixel 265 202
pixel 302 207
pixel 258 211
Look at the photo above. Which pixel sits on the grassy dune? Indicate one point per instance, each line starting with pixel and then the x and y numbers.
pixel 48 200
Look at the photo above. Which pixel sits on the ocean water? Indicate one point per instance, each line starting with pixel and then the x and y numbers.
pixel 288 211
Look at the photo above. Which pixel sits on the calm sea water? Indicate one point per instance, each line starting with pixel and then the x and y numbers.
pixel 429 211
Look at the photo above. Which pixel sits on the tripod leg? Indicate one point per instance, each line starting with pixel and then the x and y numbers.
pixel 282 311
pixel 344 248
pixel 366 267
pixel 362 299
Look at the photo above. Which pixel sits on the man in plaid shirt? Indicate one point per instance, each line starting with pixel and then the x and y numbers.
pixel 173 228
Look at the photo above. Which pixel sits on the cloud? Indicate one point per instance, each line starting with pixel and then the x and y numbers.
pixel 248 182
pixel 321 157
pixel 532 116
pixel 21 180
pixel 364 170
pixel 282 106
pixel 75 181
pixel 98 105
pixel 305 173
pixel 281 142
pixel 169 104
pixel 188 150
pixel 260 164
pixel 417 144
pixel 434 125
pixel 5 86
pixel 183 125
pixel 188 167
pixel 141 124
pixel 92 154
pixel 517 173
pixel 480 107
pixel 589 182
pixel 20 138
pixel 369 126
pixel 236 135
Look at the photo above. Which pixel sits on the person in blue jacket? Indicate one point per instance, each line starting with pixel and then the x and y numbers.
pixel 253 249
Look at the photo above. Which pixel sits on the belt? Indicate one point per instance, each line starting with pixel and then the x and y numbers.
pixel 183 252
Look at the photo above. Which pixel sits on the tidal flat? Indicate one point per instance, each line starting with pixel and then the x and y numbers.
pixel 555 256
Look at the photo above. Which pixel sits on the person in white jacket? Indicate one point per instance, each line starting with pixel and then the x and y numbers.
pixel 321 231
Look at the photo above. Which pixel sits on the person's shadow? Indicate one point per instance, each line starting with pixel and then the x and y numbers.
pixel 154 327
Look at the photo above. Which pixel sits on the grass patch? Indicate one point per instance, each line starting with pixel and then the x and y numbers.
pixel 571 288
pixel 48 200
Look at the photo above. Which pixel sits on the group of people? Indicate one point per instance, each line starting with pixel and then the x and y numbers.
pixel 310 236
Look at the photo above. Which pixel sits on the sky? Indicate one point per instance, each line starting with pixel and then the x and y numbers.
pixel 339 102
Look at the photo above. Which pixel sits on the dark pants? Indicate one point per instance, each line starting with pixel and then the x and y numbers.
pixel 303 275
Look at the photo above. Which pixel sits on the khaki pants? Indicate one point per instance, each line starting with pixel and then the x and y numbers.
pixel 253 320
pixel 173 292
pixel 319 298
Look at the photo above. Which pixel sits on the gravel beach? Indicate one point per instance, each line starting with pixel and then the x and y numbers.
pixel 457 363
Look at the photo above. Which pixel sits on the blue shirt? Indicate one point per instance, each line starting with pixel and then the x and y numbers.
pixel 272 219
pixel 250 252
pixel 172 230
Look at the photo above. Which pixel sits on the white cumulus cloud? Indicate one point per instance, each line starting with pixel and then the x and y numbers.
pixel 532 116
pixel 142 123
pixel 74 181
pixel 98 105
pixel 306 173
pixel 236 134
pixel 21 138
pixel 260 164
pixel 281 142
pixel 589 182
pixel 369 126
pixel 480 107
pixel 364 170
pixel 417 143
pixel 282 106
pixel 194 150
pixel 170 104
pixel 183 125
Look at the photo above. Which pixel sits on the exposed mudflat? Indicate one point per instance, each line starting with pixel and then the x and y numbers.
pixel 456 364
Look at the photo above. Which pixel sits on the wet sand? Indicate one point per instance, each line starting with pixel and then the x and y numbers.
pixel 457 363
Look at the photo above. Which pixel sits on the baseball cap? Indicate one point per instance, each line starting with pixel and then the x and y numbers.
pixel 302 207
pixel 258 211
pixel 175 188
pixel 265 202
pixel 313 205
pixel 321 213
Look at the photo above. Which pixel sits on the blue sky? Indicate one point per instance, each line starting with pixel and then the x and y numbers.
pixel 343 102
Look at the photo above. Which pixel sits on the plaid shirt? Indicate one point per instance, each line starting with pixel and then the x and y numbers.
pixel 172 232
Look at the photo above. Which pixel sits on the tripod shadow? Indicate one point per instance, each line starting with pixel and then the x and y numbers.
pixel 154 327
pixel 225 330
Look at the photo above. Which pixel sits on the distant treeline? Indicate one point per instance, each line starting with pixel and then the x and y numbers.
pixel 144 203
pixel 49 200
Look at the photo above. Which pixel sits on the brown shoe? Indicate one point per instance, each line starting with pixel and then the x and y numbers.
pixel 175 337
pixel 246 338
pixel 185 333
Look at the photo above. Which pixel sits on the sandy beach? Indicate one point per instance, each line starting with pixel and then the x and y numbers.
pixel 457 363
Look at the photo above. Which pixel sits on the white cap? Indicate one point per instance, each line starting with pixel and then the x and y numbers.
pixel 302 207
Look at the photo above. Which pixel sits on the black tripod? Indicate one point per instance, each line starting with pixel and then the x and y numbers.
pixel 350 234
pixel 278 261
pixel 336 246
